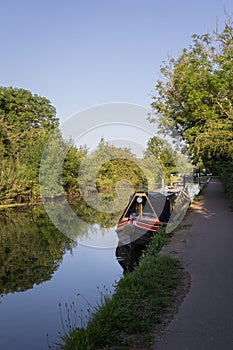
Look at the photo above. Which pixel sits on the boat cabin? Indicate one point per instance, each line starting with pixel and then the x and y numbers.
pixel 151 205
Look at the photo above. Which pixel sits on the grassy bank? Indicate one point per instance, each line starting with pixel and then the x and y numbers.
pixel 128 317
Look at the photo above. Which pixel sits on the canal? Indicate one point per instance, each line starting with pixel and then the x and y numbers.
pixel 49 282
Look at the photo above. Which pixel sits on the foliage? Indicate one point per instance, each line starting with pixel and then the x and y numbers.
pixel 51 165
pixel 109 168
pixel 72 162
pixel 36 162
pixel 21 113
pixel 194 98
pixel 163 153
pixel 169 161
pixel 104 168
pixel 27 122
pixel 14 179
pixel 135 307
pixel 226 176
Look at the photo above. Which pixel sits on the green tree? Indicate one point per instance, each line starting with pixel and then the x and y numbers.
pixel 15 181
pixel 29 133
pixel 72 162
pixel 108 165
pixel 26 122
pixel 21 113
pixel 51 165
pixel 194 98
pixel 164 154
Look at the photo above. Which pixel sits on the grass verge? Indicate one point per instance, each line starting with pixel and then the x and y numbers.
pixel 125 320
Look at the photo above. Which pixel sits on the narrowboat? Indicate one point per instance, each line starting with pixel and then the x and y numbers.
pixel 145 213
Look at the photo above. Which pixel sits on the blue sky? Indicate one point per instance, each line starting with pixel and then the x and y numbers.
pixel 82 53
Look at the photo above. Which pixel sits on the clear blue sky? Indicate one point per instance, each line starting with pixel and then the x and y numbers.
pixel 81 53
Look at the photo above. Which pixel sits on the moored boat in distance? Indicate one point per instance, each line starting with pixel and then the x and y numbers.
pixel 146 212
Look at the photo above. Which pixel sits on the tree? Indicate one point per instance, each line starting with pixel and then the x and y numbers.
pixel 163 153
pixel 72 163
pixel 26 122
pixel 19 107
pixel 108 165
pixel 21 113
pixel 194 97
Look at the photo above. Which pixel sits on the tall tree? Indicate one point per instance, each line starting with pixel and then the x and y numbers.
pixel 194 97
pixel 163 153
pixel 21 113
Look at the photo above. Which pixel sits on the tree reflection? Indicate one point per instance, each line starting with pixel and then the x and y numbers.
pixel 92 216
pixel 31 248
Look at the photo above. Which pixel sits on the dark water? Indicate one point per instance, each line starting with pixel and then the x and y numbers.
pixel 40 269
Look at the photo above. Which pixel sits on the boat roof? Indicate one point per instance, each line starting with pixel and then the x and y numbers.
pixel 160 202
pixel 153 194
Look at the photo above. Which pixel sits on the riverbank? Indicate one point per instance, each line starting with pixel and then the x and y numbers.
pixel 125 320
pixel 144 303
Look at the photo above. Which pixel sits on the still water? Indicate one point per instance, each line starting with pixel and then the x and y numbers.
pixel 40 269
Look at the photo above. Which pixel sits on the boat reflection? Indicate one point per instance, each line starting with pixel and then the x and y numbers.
pixel 128 256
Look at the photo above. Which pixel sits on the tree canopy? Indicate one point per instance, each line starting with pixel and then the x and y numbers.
pixel 194 97
pixel 36 161
pixel 22 116
pixel 27 122
pixel 107 165
pixel 163 153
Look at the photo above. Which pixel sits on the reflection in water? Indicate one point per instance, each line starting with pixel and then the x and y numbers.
pixel 128 256
pixel 31 248
pixel 41 268
pixel 76 219
pixel 92 216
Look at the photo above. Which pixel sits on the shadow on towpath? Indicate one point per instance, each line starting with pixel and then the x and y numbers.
pixel 204 245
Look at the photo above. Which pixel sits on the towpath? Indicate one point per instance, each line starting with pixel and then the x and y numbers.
pixel 205 248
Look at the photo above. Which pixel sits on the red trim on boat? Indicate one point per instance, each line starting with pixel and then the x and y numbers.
pixel 147 226
pixel 121 221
